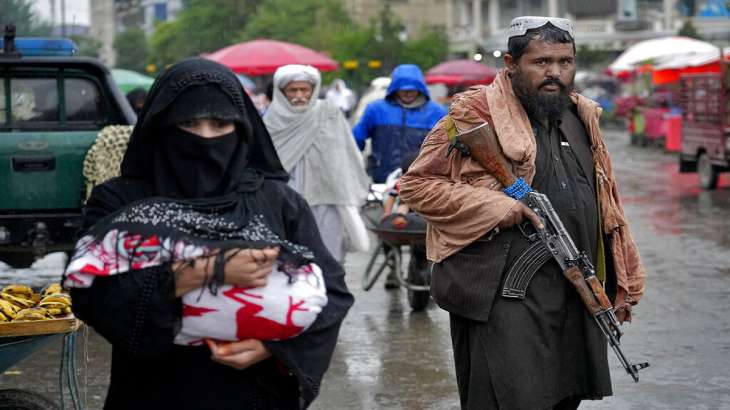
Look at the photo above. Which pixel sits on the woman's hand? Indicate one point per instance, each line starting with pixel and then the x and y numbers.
pixel 250 267
pixel 245 267
pixel 238 355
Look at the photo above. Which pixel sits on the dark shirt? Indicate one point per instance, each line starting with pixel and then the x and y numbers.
pixel 564 172
pixel 547 347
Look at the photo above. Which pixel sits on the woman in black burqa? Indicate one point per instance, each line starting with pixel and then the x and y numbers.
pixel 235 176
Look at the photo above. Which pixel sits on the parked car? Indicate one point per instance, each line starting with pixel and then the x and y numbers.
pixel 706 125
pixel 52 105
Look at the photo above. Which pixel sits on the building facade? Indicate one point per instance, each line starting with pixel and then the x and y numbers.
pixel 604 24
pixel 474 25
pixel 109 17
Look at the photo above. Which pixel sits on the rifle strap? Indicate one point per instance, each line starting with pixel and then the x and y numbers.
pixel 601 252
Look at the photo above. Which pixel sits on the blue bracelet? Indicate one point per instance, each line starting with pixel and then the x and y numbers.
pixel 518 189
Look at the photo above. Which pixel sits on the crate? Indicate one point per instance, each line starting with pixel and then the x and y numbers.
pixel 704 99
pixel 64 324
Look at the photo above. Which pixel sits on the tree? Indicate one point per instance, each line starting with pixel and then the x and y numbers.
pixel 587 57
pixel 204 26
pixel 308 22
pixel 88 46
pixel 132 49
pixel 27 23
pixel 427 50
pixel 688 30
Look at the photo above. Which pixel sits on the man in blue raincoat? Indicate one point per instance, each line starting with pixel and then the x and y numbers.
pixel 398 123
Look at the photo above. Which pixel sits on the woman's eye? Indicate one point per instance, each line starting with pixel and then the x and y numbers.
pixel 221 124
pixel 188 124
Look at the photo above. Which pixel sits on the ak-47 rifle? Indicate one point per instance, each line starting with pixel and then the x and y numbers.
pixel 553 241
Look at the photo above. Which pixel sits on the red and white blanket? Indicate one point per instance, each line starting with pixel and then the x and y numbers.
pixel 284 308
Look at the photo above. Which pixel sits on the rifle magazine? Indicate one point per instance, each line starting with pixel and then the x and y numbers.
pixel 523 269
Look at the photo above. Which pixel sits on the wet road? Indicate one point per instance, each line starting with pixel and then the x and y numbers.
pixel 391 358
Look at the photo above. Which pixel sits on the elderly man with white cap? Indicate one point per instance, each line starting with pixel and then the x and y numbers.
pixel 540 349
pixel 316 146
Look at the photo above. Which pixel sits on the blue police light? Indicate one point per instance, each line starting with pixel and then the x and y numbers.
pixel 44 47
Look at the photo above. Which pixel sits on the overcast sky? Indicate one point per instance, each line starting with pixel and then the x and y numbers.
pixel 77 11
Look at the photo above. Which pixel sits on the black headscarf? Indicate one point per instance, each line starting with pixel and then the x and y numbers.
pixel 178 89
pixel 205 192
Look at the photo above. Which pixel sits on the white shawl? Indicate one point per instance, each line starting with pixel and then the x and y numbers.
pixel 319 140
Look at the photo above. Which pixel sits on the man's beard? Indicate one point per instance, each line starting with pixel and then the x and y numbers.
pixel 539 105
pixel 299 105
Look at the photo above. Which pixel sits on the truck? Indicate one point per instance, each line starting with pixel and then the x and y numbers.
pixel 52 105
pixel 705 102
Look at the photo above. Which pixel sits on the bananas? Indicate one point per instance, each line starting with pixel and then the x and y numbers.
pixel 20 303
pixel 62 298
pixel 8 309
pixel 19 290
pixel 17 300
pixel 51 289
pixel 32 314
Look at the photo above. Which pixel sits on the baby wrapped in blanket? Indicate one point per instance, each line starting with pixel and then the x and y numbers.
pixel 158 231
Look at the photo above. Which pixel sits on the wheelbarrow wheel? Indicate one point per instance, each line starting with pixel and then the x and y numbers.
pixel 16 399
pixel 419 275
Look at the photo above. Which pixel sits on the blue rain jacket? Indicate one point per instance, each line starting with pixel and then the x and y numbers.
pixel 395 130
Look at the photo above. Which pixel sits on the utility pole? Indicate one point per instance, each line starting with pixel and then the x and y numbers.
pixel 52 4
pixel 63 18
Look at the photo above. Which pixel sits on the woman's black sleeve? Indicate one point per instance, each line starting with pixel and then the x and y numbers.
pixel 136 311
pixel 308 355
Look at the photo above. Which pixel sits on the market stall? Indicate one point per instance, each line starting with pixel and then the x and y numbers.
pixel 651 71
pixel 29 320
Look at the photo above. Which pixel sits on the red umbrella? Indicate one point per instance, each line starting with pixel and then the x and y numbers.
pixel 260 57
pixel 461 72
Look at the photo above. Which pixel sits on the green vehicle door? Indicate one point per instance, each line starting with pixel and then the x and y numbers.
pixel 48 121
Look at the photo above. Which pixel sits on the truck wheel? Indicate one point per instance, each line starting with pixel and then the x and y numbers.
pixel 18 260
pixel 16 399
pixel 708 172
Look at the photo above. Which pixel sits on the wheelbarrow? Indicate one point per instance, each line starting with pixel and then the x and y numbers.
pixel 388 253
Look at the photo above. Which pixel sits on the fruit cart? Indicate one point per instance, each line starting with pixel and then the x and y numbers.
pixel 20 340
pixel 21 336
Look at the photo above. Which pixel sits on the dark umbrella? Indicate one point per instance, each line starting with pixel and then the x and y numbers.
pixel 461 72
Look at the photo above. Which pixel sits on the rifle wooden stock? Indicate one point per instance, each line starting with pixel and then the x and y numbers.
pixel 485 149
pixel 590 300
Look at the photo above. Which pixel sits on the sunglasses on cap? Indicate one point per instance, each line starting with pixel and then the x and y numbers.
pixel 520 25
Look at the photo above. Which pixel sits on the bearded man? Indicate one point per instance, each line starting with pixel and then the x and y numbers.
pixel 545 351
pixel 317 148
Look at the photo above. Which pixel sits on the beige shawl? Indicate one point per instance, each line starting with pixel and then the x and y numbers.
pixel 462 202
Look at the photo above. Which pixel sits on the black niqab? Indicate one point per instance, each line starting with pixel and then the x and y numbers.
pixel 253 160
pixel 200 183
pixel 190 166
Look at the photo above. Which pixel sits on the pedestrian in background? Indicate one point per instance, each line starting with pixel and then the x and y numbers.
pixel 136 98
pixel 316 147
pixel 341 96
pixel 376 91
pixel 201 171
pixel 546 351
pixel 397 125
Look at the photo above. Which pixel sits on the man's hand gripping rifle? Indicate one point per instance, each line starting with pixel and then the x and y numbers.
pixel 552 241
